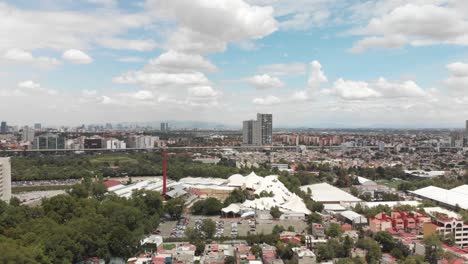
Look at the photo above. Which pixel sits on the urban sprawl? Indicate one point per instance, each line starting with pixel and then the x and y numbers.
pixel 128 193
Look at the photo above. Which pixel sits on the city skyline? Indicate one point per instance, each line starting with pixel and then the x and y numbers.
pixel 311 63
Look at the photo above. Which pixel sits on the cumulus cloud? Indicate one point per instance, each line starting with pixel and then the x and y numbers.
pixel 280 69
pixel 416 24
pixel 378 42
pixel 457 82
pixel 352 90
pixel 361 90
pixel 77 57
pixel 265 81
pixel 59 30
pixel 215 24
pixel 315 79
pixel 174 61
pixel 29 84
pixel 160 79
pixel 128 44
pixel 316 76
pixel 143 95
pixel 269 100
pixel 202 91
pixel 24 57
pixel 300 14
pixel 30 87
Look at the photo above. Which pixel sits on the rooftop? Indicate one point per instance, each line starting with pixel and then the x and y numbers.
pixel 324 192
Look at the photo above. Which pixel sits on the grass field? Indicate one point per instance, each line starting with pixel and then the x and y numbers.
pixel 168 246
pixel 112 159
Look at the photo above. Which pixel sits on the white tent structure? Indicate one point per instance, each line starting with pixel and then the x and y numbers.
pixel 232 208
pixel 281 196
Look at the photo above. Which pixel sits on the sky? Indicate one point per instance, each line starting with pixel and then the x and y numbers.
pixel 311 63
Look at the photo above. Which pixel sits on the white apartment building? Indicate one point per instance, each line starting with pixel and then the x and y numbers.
pixel 452 226
pixel 5 179
pixel 141 141
pixel 113 143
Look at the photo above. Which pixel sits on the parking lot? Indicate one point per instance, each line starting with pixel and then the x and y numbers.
pixel 229 227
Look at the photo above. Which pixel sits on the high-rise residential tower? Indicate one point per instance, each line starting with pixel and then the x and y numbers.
pixel 258 132
pixel 28 134
pixel 266 124
pixel 466 129
pixel 5 179
pixel 3 127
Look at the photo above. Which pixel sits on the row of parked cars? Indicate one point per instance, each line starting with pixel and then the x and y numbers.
pixel 179 229
pixel 234 230
pixel 219 228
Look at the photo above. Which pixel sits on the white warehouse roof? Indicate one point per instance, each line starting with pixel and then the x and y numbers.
pixel 461 189
pixel 448 197
pixel 326 193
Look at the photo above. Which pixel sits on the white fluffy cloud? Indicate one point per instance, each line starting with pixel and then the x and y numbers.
pixel 77 57
pixel 280 69
pixel 207 26
pixel 361 90
pixel 143 95
pixel 418 23
pixel 269 100
pixel 300 14
pixel 202 91
pixel 457 82
pixel 25 57
pixel 29 84
pixel 351 90
pixel 30 87
pixel 316 76
pixel 161 79
pixel 60 30
pixel 265 81
pixel 174 61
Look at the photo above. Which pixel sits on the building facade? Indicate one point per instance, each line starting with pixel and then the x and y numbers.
pixel 266 126
pixel 3 127
pixel 5 179
pixel 49 141
pixel 28 134
pixel 258 132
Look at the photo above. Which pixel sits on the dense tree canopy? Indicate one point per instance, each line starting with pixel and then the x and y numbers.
pixel 69 228
pixel 209 206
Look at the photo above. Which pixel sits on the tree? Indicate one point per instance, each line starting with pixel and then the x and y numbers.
pixel 348 245
pixel 354 191
pixel 256 250
pixel 208 228
pixel 433 249
pixel 386 240
pixel 373 249
pixel 277 229
pixel 324 252
pixel 275 212
pixel 334 230
pixel 210 206
pixel 230 260
pixel 14 201
pixel 174 208
pixel 414 260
